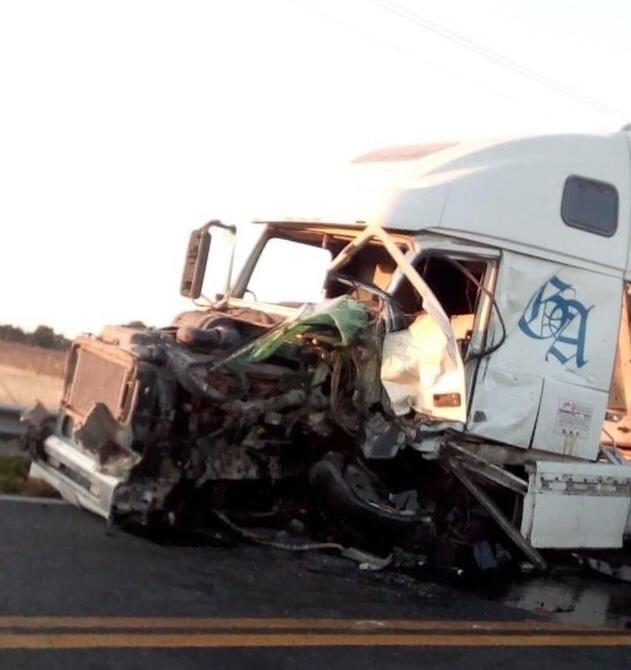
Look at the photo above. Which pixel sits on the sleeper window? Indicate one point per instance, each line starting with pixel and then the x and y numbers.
pixel 590 205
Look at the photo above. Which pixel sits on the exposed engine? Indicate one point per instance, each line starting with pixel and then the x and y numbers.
pixel 249 415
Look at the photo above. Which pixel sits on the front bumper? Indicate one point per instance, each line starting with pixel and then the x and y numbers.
pixel 76 476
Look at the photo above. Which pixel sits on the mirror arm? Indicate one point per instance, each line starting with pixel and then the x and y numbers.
pixel 218 224
pixel 233 243
pixel 232 229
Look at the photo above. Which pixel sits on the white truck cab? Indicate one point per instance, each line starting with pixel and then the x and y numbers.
pixel 496 279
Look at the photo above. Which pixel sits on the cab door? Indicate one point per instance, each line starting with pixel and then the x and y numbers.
pixel 546 385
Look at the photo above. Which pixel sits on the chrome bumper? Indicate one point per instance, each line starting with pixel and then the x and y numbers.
pixel 76 476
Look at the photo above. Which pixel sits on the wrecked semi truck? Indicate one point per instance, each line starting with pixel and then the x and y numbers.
pixel 445 371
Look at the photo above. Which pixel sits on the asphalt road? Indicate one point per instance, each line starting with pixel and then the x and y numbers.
pixel 75 595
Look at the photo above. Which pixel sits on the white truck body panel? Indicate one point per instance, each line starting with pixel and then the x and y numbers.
pixel 506 193
pixel 576 505
pixel 548 384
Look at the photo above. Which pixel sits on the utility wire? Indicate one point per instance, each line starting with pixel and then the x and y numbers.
pixel 498 59
pixel 407 52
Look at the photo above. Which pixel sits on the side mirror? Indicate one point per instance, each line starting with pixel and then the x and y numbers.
pixel 195 263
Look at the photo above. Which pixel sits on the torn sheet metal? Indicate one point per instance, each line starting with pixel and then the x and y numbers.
pixel 451 363
pixel 418 373
pixel 101 435
pixel 496 513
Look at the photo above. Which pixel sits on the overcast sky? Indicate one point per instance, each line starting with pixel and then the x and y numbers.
pixel 124 124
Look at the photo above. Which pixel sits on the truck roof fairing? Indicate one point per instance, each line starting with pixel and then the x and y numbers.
pixel 506 193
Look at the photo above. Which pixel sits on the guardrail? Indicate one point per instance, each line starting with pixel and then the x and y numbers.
pixel 10 425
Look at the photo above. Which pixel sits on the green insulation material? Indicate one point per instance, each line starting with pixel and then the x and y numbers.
pixel 346 316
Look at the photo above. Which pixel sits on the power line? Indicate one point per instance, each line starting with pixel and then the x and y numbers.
pixel 498 59
pixel 406 52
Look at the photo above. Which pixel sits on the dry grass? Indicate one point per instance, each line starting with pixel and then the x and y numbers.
pixel 25 388
pixel 29 374
pixel 32 359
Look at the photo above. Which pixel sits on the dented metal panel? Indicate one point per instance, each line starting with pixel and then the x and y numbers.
pixel 423 363
pixel 76 476
pixel 416 374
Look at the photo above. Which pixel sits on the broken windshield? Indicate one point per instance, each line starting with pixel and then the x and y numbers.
pixel 289 272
